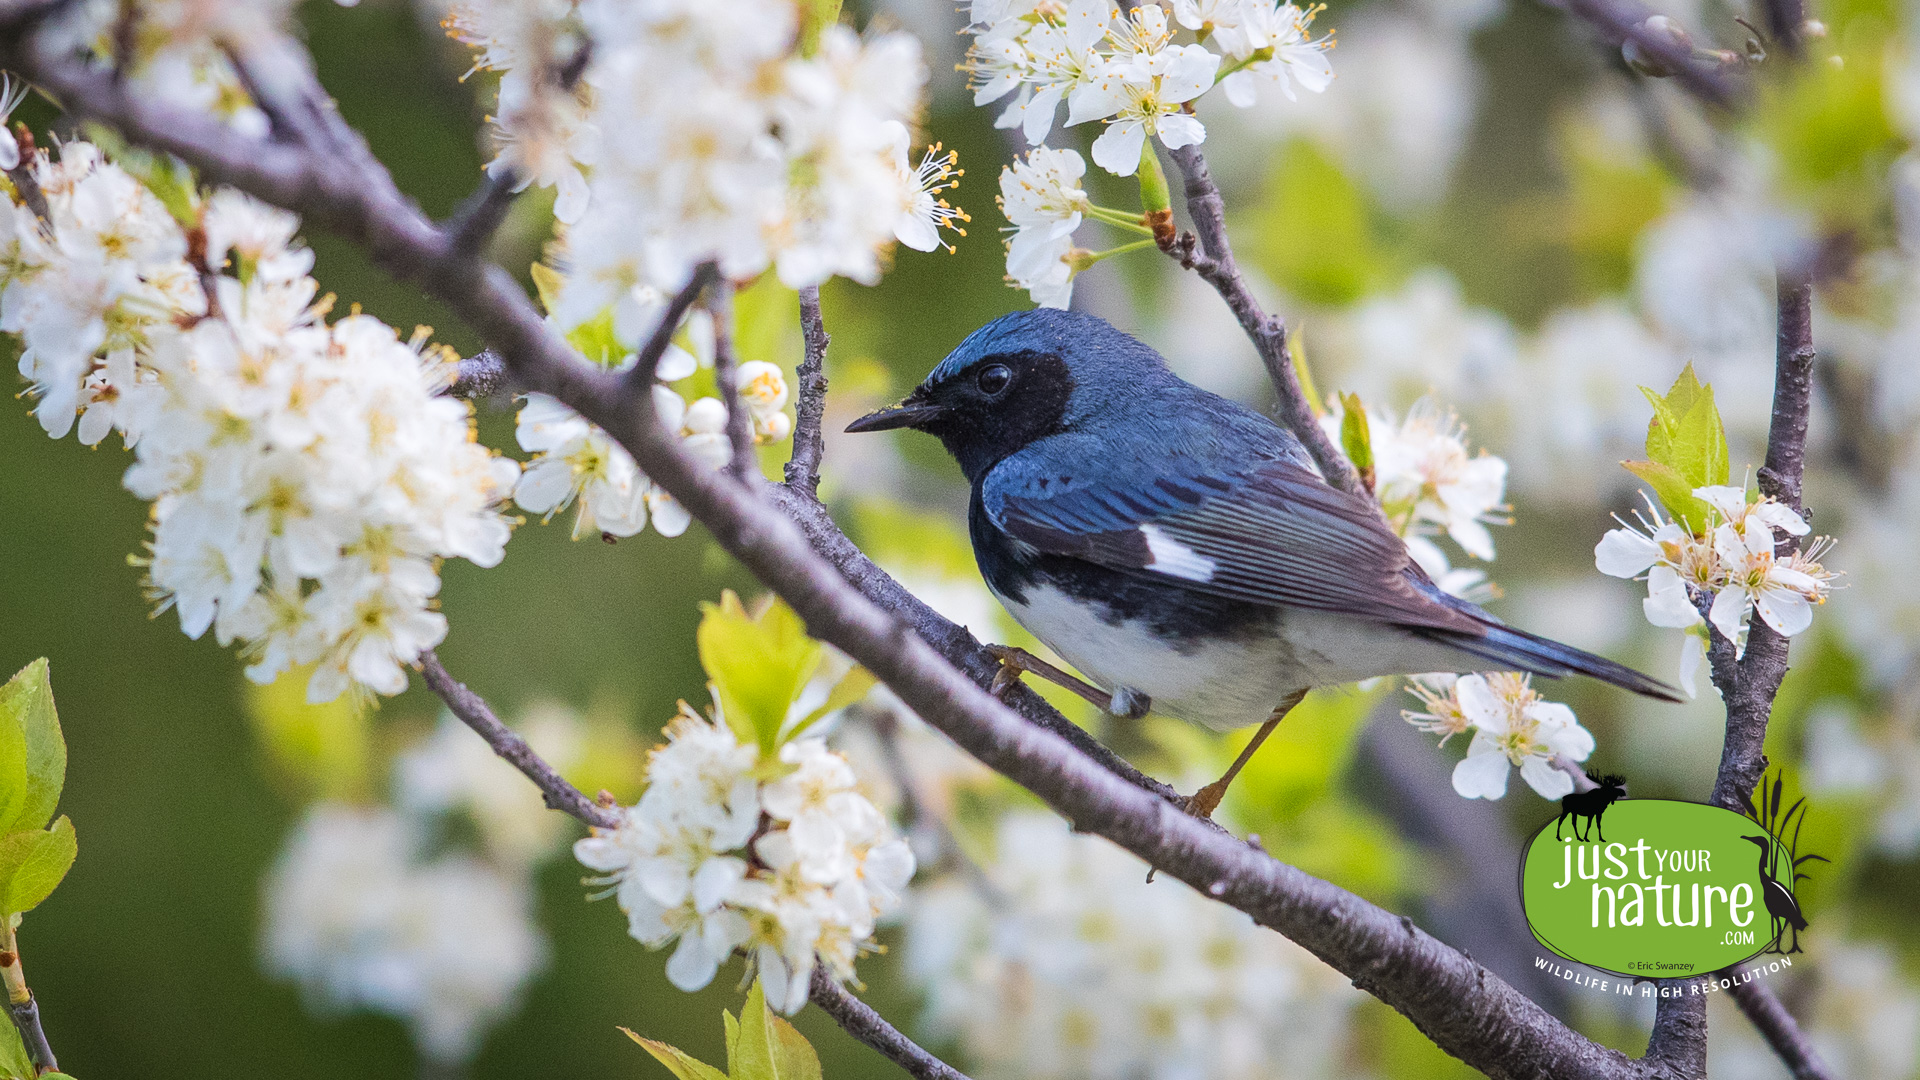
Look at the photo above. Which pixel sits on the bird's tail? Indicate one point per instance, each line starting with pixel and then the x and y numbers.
pixel 1518 650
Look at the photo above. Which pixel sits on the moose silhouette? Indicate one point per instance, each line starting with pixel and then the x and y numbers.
pixel 1590 805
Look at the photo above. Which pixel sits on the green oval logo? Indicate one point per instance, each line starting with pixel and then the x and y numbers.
pixel 1657 888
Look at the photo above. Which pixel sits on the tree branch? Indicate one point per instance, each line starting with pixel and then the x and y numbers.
pixel 859 1020
pixel 1456 1002
pixel 477 218
pixel 473 710
pixel 1213 261
pixel 647 361
pixel 1621 21
pixel 21 1005
pixel 1778 1027
pixel 745 465
pixel 810 404
pixel 481 376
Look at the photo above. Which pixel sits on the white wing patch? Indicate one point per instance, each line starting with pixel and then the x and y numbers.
pixel 1175 559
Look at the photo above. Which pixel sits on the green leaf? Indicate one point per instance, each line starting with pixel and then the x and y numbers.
pixel 793 1055
pixel 852 686
pixel 322 751
pixel 757 664
pixel 548 283
pixel 1314 233
pixel 1356 435
pixel 815 17
pixel 1154 195
pixel 1685 433
pixel 13 754
pixel 733 1038
pixel 14 1062
pixel 27 699
pixel 32 864
pixel 596 341
pixel 1675 493
pixel 682 1065
pixel 751 1054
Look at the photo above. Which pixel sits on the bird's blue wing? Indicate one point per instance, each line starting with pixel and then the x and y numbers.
pixel 1270 533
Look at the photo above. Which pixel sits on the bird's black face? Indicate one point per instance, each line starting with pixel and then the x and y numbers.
pixel 1760 840
pixel 986 410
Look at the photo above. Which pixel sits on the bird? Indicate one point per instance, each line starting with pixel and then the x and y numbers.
pixel 1781 905
pixel 1180 549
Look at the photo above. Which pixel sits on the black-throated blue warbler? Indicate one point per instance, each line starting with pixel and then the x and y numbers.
pixel 1178 547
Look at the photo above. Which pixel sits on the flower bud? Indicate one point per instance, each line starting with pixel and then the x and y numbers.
pixel 1645 62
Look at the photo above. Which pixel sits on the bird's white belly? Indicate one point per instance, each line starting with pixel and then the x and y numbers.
pixel 1223 682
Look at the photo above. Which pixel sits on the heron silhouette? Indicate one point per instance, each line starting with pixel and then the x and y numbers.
pixel 1781 905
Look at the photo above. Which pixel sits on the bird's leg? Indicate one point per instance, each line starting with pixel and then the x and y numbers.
pixel 1014 661
pixel 1203 803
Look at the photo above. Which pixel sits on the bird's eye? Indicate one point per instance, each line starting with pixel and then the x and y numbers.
pixel 994 378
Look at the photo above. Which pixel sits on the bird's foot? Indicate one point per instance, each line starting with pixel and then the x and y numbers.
pixel 1203 803
pixel 1015 661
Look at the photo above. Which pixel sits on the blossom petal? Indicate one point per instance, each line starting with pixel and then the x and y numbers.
pixel 1548 781
pixel 1180 130
pixel 1117 150
pixel 1623 553
pixel 1785 610
pixel 1729 608
pixel 1481 775
pixel 1480 705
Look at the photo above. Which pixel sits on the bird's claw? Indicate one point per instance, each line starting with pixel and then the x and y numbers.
pixel 1203 803
pixel 1015 661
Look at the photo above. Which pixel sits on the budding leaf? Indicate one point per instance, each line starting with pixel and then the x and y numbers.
pixel 26 704
pixel 14 1062
pixel 32 863
pixel 1356 436
pixel 751 1056
pixel 1675 492
pixel 681 1064
pixel 758 665
pixel 815 17
pixel 1686 433
pixel 851 688
pixel 596 341
pixel 1154 195
pixel 793 1055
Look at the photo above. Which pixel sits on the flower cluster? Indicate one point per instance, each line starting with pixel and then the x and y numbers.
pixel 1126 71
pixel 360 917
pixel 306 479
pixel 1732 559
pixel 1428 483
pixel 1074 966
pixel 784 858
pixel 1511 726
pixel 576 463
pixel 744 137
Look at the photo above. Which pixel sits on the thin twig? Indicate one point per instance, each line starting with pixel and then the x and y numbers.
pixel 745 463
pixel 647 360
pixel 1621 21
pixel 810 405
pixel 1460 1005
pixel 1211 256
pixel 860 1021
pixel 22 1006
pixel 473 710
pixel 476 219
pixel 1778 1027
pixel 24 181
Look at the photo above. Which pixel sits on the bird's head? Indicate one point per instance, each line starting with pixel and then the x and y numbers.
pixel 1021 378
pixel 1760 840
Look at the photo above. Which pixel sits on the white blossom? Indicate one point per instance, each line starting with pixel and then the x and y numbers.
pixel 1275 43
pixel 357 915
pixel 1041 195
pixel 1426 480
pixel 1512 726
pixel 306 478
pixel 809 889
pixel 1076 967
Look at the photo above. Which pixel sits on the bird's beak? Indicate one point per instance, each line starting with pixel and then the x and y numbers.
pixel 908 414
